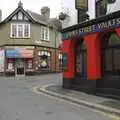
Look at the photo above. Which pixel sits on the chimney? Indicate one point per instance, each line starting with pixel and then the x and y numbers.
pixel 45 11
pixel 0 15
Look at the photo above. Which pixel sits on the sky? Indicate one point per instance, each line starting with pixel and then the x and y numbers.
pixel 8 6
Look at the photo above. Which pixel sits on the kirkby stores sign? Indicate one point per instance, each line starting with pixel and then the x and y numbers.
pixel 92 28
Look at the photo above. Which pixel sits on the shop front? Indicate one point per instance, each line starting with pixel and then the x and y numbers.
pixel 19 61
pixel 91 55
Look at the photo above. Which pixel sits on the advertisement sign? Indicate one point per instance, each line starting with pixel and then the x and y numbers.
pixel 19 53
pixel 81 4
pixel 2 56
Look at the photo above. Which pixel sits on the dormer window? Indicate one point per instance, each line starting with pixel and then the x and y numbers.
pixel 20 31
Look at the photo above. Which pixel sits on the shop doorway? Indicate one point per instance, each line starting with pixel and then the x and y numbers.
pixel 80 59
pixel 20 67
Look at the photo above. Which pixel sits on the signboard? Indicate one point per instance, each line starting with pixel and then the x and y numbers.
pixel 19 53
pixel 113 23
pixel 81 4
pixel 2 58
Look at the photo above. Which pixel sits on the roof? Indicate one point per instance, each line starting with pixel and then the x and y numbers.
pixel 37 17
pixel 33 17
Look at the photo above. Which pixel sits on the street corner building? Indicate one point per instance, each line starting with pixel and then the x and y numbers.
pixel 30 43
pixel 91 55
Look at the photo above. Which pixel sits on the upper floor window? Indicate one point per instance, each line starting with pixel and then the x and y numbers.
pixel 20 31
pixel 45 33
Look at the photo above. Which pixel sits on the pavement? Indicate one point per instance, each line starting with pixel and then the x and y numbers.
pixel 107 105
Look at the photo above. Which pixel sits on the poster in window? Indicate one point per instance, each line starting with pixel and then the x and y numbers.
pixel 2 56
pixel 81 4
pixel 10 66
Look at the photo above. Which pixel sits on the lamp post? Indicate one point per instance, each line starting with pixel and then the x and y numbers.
pixel 56 33
pixel 56 26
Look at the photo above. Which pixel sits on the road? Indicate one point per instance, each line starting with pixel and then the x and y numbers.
pixel 19 102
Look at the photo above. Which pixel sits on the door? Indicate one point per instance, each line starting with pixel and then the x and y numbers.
pixel 81 63
pixel 20 67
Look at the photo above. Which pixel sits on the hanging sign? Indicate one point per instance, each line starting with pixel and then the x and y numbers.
pixel 81 4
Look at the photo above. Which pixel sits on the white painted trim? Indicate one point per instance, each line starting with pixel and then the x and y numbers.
pixel 23 26
pixel 45 28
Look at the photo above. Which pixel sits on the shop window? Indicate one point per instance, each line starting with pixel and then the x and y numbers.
pixel 10 65
pixel 30 64
pixel 44 60
pixel 112 60
pixel 65 62
pixel 114 39
pixel 20 31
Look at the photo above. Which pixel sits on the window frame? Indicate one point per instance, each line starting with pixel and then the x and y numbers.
pixel 45 31
pixel 23 30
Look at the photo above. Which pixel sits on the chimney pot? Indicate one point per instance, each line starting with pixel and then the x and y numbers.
pixel 45 11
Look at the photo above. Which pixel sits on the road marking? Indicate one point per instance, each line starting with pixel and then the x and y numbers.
pixel 35 90
pixel 111 116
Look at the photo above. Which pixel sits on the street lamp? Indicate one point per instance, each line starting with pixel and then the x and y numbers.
pixel 56 26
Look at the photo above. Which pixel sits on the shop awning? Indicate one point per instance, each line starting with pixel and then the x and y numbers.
pixel 21 53
pixel 26 53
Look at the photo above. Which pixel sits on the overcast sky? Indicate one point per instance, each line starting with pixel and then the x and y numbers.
pixel 8 6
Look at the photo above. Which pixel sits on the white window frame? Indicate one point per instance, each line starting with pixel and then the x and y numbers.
pixel 23 36
pixel 44 36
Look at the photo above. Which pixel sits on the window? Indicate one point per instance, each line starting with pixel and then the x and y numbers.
pixel 29 64
pixel 10 65
pixel 14 31
pixel 20 30
pixel 44 60
pixel 101 7
pixel 65 62
pixel 26 30
pixel 45 33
